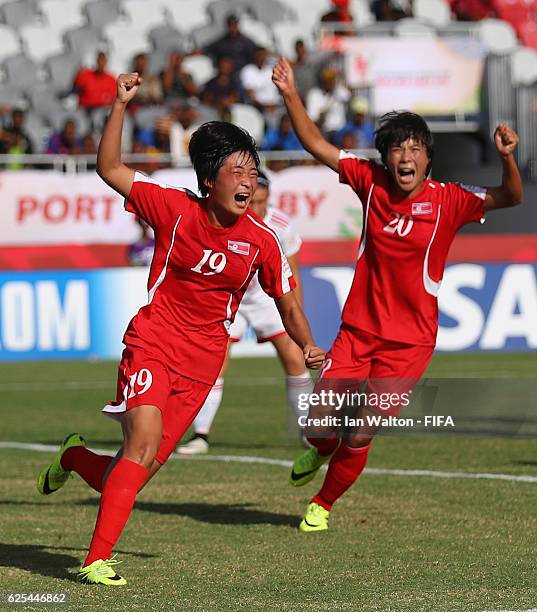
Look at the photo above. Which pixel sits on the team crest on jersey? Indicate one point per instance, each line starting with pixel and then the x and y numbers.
pixel 242 248
pixel 422 208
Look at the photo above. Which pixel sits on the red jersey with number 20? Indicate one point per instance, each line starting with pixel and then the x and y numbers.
pixel 403 251
pixel 197 278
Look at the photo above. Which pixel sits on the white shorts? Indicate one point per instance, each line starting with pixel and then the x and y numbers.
pixel 262 315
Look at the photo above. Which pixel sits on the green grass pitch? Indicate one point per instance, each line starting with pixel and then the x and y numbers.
pixel 210 536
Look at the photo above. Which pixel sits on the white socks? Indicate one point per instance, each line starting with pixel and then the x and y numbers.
pixel 297 389
pixel 205 417
pixel 298 386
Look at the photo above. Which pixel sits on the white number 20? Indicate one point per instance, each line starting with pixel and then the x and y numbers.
pixel 139 383
pixel 400 224
pixel 215 261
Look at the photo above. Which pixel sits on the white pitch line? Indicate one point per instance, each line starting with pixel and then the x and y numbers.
pixel 286 463
pixel 77 385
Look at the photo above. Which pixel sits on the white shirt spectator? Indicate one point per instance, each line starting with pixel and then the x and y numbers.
pixel 332 104
pixel 259 81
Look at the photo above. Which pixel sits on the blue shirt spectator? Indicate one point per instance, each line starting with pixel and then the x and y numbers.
pixel 282 138
pixel 358 125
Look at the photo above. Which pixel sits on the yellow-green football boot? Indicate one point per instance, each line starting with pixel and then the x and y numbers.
pixel 53 477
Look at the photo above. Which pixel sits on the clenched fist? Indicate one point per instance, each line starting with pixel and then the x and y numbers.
pixel 127 86
pixel 505 139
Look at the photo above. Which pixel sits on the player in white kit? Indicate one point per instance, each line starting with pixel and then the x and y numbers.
pixel 259 310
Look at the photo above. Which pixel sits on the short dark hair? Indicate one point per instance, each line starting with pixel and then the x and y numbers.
pixel 212 143
pixel 396 127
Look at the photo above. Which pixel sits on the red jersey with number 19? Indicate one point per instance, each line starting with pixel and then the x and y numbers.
pixel 403 251
pixel 197 278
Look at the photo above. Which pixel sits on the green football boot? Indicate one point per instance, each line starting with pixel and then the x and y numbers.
pixel 315 519
pixel 306 466
pixel 53 477
pixel 101 572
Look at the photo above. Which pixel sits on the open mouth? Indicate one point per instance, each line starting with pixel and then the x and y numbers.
pixel 241 197
pixel 406 175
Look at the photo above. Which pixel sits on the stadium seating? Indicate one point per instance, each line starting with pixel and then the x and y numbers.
pixel 497 36
pixel 21 72
pixel 50 39
pixel 285 35
pixel 40 41
pixel 9 42
pixel 250 119
pixel 101 12
pixel 62 15
pixel 258 32
pixel 524 66
pixel 18 13
pixel 435 12
pixel 83 41
pixel 61 70
pixel 200 67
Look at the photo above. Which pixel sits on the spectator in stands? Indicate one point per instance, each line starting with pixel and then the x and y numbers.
pixel 340 14
pixel 186 120
pixel 282 138
pixel 358 125
pixel 67 141
pixel 349 142
pixel 87 145
pixel 13 138
pixel 95 86
pixel 224 89
pixel 472 10
pixel 389 10
pixel 327 104
pixel 176 82
pixel 259 90
pixel 140 252
pixel 233 44
pixel 304 69
pixel 150 91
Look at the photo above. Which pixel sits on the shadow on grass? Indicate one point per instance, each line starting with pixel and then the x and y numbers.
pixel 526 463
pixel 38 560
pixel 219 514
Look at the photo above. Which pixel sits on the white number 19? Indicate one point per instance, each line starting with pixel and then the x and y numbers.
pixel 215 261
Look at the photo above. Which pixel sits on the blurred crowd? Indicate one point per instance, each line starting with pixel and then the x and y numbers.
pixel 170 105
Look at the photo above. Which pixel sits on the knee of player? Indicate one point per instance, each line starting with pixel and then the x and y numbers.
pixel 142 452
pixel 358 441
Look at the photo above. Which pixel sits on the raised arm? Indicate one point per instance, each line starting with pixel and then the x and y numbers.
pixel 297 327
pixel 109 165
pixel 510 192
pixel 308 133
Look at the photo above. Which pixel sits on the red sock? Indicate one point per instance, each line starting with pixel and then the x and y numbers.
pixel 117 501
pixel 88 465
pixel 325 446
pixel 343 470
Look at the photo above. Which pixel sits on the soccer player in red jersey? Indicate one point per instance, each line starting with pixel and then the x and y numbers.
pixel 390 319
pixel 206 252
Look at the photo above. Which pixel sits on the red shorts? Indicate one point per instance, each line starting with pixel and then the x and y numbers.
pixel 386 369
pixel 144 380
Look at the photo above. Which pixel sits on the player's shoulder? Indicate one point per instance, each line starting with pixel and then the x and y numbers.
pixel 180 194
pixel 258 229
pixel 449 190
pixel 374 167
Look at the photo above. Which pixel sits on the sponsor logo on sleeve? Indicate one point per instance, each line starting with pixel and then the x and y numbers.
pixel 242 248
